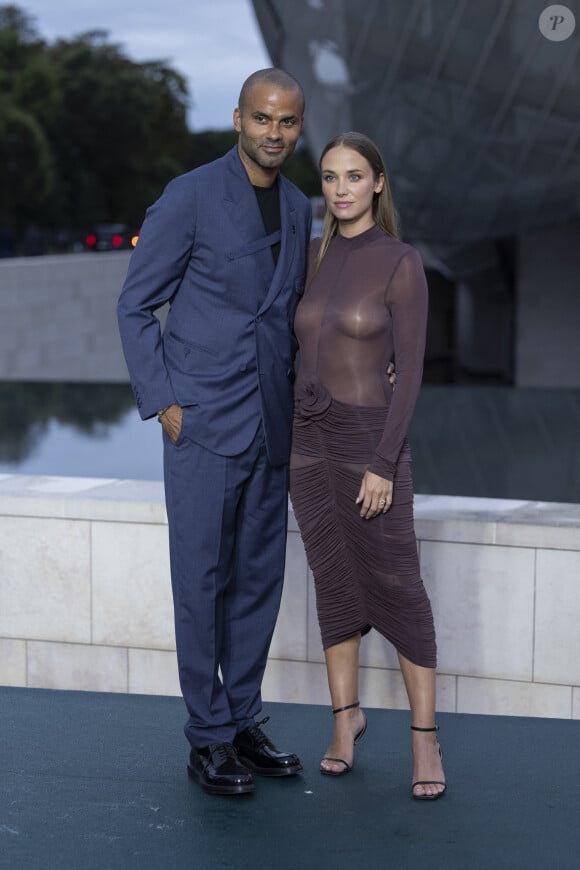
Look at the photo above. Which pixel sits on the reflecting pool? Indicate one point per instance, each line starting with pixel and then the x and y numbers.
pixel 84 430
pixel 494 442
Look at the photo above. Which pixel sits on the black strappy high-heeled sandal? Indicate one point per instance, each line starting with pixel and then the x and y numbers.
pixel 358 736
pixel 428 797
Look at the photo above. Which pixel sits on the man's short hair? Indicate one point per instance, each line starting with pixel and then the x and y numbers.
pixel 271 76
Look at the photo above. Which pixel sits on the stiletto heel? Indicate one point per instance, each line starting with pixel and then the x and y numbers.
pixel 357 737
pixel 428 797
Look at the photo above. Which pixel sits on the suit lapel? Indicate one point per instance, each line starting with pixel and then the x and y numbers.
pixel 244 213
pixel 240 200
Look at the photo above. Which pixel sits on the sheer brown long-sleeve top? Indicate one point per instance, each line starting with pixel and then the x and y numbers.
pixel 365 306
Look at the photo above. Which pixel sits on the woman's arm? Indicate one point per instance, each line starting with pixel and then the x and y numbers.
pixel 407 301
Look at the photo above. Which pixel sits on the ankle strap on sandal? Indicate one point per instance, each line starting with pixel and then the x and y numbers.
pixel 348 707
pixel 416 728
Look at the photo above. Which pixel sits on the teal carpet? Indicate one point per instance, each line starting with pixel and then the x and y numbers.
pixel 98 782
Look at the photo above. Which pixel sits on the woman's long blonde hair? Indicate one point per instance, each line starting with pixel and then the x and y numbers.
pixel 384 211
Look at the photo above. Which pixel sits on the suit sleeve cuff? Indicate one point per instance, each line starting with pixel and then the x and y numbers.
pixel 149 408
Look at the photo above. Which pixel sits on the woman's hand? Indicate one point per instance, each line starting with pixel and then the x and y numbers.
pixel 375 495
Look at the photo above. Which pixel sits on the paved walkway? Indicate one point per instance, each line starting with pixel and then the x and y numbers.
pixel 98 782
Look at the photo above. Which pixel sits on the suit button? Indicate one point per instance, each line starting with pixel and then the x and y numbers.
pixel 258 319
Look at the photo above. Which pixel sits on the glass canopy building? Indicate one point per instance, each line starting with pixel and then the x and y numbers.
pixel 476 111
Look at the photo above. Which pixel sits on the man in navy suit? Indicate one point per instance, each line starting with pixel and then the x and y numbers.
pixel 225 246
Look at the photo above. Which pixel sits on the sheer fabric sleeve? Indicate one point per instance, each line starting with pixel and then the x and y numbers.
pixel 407 301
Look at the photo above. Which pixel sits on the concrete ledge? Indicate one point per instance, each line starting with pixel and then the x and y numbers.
pixel 85 600
pixel 130 501
pixel 498 521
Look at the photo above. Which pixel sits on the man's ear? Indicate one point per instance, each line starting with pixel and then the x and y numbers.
pixel 237 120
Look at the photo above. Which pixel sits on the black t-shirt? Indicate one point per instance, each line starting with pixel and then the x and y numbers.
pixel 269 202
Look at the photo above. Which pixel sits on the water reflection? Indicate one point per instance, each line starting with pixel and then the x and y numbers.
pixel 27 409
pixel 497 442
pixel 493 442
pixel 88 430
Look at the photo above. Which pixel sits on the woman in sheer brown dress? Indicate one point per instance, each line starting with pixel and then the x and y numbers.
pixel 350 469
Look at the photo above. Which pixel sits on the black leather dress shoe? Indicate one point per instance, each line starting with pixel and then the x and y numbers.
pixel 257 752
pixel 218 770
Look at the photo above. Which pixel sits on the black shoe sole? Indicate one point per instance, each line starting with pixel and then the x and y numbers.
pixel 270 771
pixel 241 788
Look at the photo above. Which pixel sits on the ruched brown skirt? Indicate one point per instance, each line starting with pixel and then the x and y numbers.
pixel 366 572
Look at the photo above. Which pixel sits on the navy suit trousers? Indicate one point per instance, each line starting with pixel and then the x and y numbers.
pixel 227 537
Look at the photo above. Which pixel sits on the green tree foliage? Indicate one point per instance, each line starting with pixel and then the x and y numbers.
pixel 209 145
pixel 121 131
pixel 89 136
pixel 26 167
pixel 303 172
pixel 26 161
pixel 14 21
pixel 86 134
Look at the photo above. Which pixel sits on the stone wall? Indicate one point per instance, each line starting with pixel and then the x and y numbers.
pixel 58 319
pixel 85 600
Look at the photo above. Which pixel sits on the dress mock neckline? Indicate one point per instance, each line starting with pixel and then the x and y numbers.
pixel 362 238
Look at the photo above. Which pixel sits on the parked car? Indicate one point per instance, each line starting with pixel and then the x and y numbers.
pixel 111 237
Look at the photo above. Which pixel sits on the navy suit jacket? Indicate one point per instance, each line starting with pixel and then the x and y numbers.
pixel 226 352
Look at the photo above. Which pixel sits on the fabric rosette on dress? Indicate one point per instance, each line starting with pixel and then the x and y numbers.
pixel 312 400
